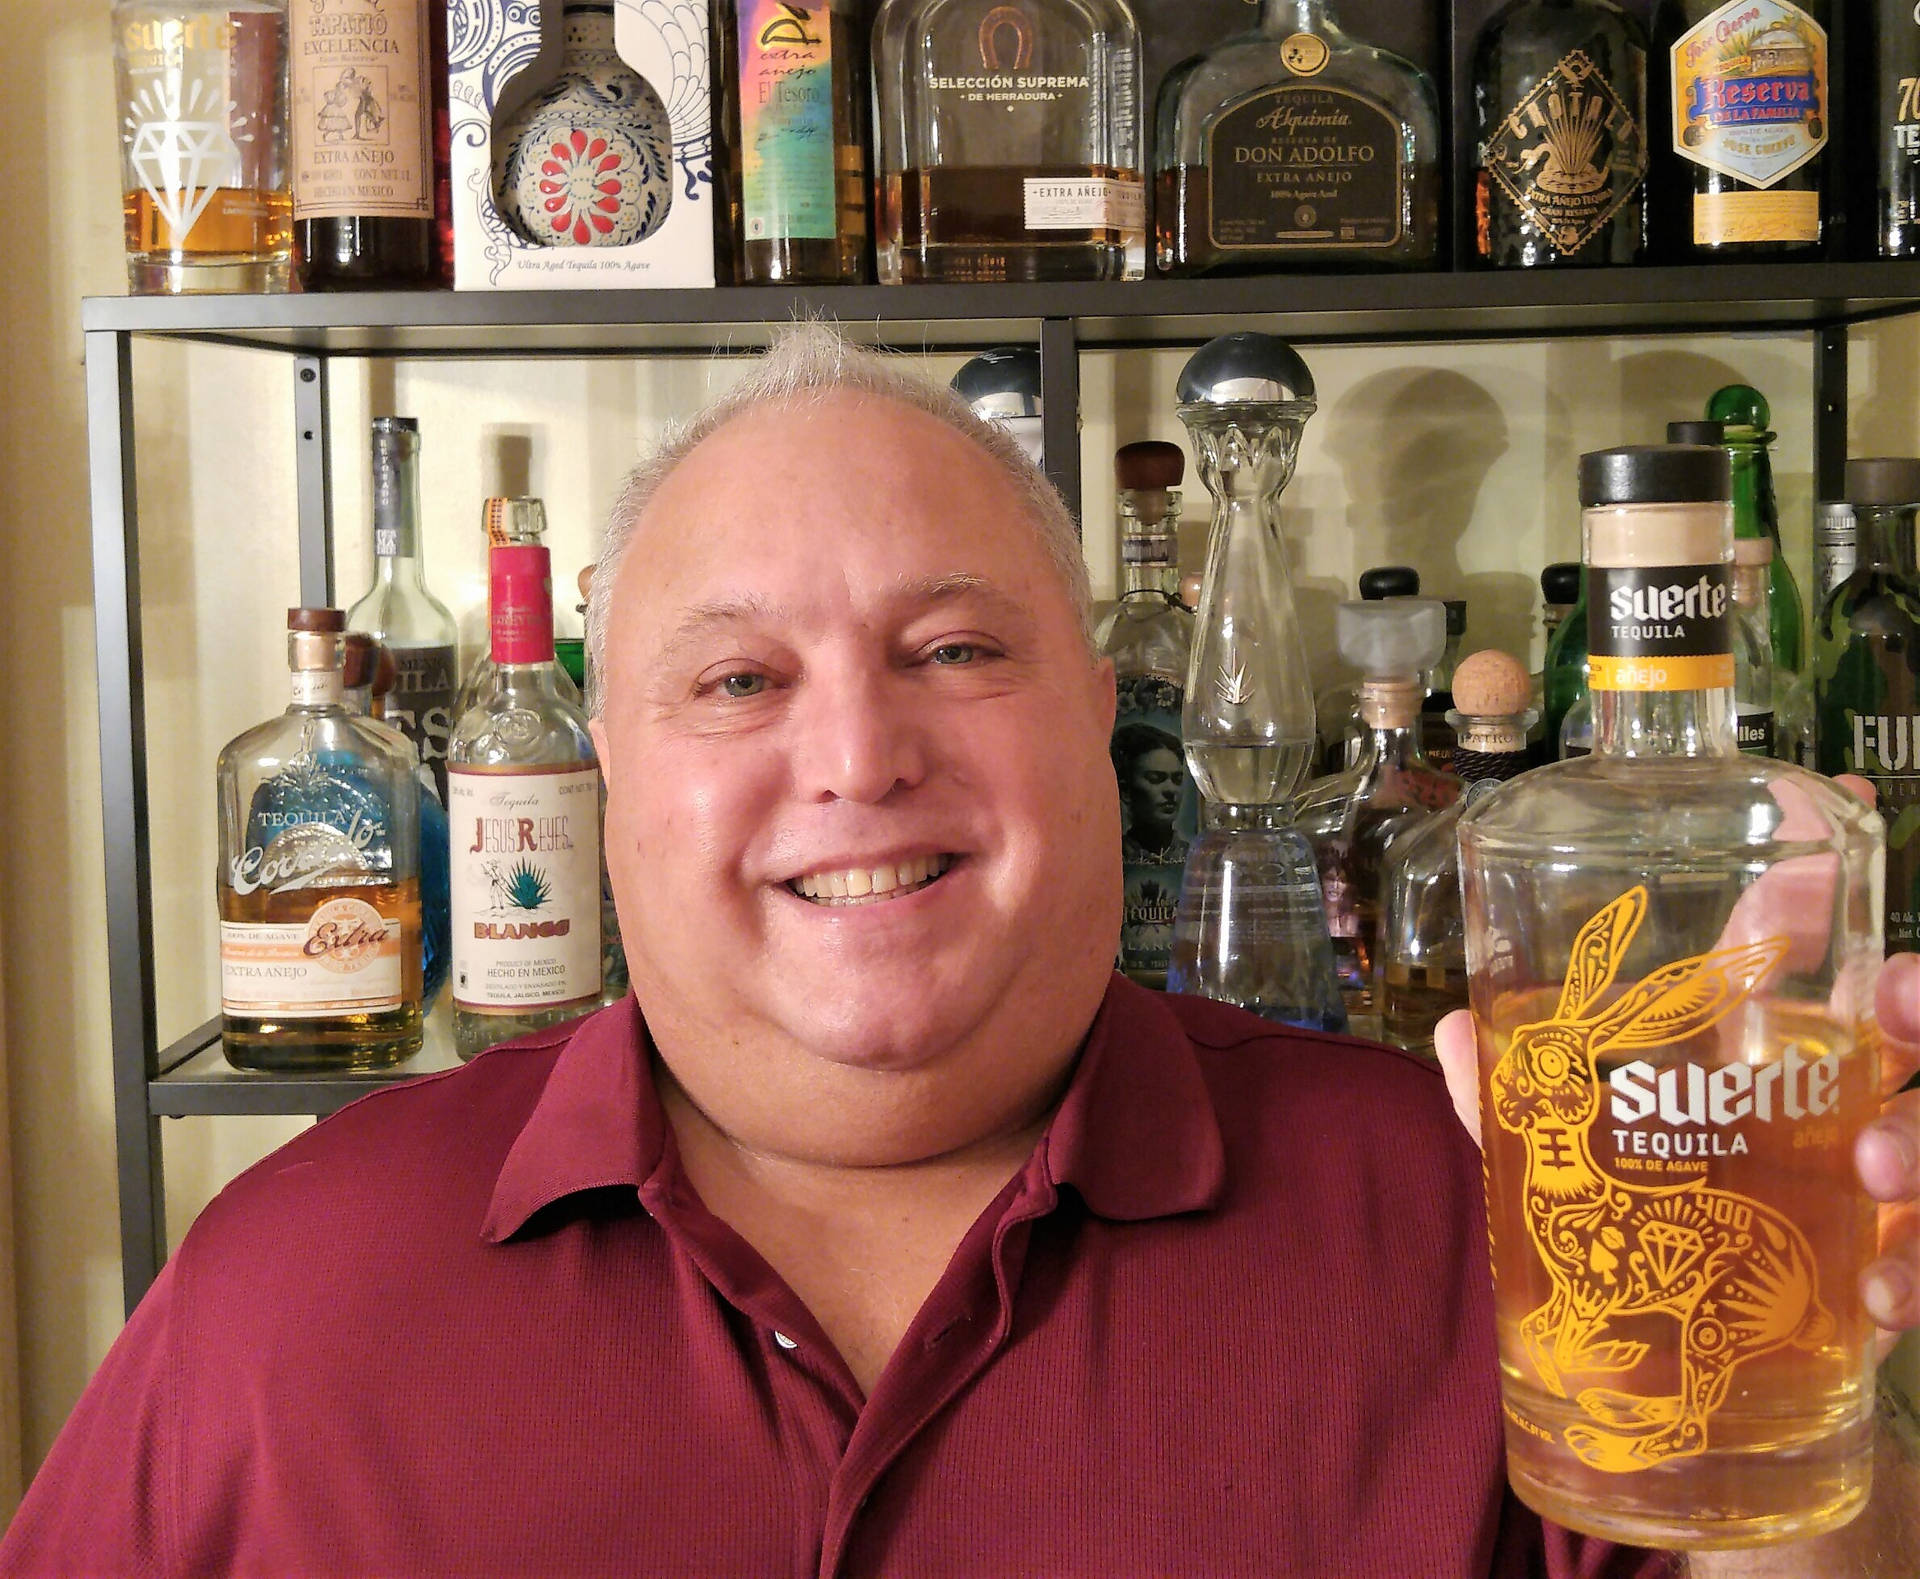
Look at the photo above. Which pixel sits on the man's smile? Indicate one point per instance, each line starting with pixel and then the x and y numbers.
pixel 867 885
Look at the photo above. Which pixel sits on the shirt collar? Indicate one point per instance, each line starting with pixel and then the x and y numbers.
pixel 1135 1135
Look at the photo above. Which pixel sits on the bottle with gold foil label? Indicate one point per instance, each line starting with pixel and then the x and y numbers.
pixel 1748 116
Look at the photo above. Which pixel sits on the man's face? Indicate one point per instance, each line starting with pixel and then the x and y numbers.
pixel 1155 785
pixel 860 801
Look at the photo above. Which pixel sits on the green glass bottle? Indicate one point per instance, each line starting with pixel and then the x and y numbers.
pixel 1866 675
pixel 1748 420
pixel 1563 680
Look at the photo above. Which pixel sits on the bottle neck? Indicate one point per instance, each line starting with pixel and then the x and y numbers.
pixel 1748 520
pixel 1149 546
pixel 312 689
pixel 1221 817
pixel 396 514
pixel 1295 16
pixel 1885 537
pixel 1490 748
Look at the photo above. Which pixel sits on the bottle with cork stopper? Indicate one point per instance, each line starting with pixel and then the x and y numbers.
pixel 1423 951
pixel 1149 637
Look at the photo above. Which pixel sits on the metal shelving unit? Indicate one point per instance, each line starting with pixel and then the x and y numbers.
pixel 1822 300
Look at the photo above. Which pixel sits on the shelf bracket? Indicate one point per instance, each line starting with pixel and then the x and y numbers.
pixel 123 796
pixel 1060 409
pixel 313 478
pixel 1830 411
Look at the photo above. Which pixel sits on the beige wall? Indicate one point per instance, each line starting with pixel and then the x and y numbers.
pixel 1458 459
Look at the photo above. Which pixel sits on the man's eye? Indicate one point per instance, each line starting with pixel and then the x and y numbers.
pixel 954 652
pixel 744 684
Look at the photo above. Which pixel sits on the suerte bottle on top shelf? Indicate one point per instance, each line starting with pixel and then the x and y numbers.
pixel 318 877
pixel 1007 141
pixel 1293 146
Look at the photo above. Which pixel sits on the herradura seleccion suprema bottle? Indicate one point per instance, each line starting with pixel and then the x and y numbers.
pixel 1672 951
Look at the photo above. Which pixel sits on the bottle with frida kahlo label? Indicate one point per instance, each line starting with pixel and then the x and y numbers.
pixel 523 802
pixel 1672 951
pixel 1742 114
pixel 319 878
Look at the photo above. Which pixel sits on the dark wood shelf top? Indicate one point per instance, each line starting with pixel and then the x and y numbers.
pixel 1307 307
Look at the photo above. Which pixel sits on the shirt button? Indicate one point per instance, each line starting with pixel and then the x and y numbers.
pixel 784 1341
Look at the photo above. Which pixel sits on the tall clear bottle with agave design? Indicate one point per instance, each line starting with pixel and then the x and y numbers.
pixel 524 801
pixel 1672 950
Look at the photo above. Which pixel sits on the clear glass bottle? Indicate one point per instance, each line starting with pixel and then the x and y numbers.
pixel 1564 677
pixel 1149 637
pixel 1436 734
pixel 524 801
pixel 1242 173
pixel 203 145
pixel 1003 386
pixel 397 610
pixel 1351 818
pixel 1866 674
pixel 1250 928
pixel 1560 131
pixel 1835 550
pixel 1559 595
pixel 1007 141
pixel 319 879
pixel 1671 950
pixel 1422 958
pixel 1337 708
pixel 505 521
pixel 1756 682
pixel 793 113
pixel 1747 417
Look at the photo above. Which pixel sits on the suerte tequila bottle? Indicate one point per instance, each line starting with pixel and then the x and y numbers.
pixel 1351 818
pixel 397 610
pixel 1250 928
pixel 1148 636
pixel 318 879
pixel 1295 146
pixel 1421 962
pixel 1672 951
pixel 1866 674
pixel 524 802
pixel 203 144
pixel 1007 141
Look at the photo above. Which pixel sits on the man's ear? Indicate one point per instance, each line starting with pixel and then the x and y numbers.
pixel 597 727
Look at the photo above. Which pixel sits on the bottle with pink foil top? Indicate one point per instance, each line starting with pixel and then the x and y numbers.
pixel 524 801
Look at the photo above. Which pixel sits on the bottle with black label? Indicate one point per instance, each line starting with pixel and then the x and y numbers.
pixel 1896 125
pixel 367 97
pixel 1741 120
pixel 1295 146
pixel 1560 127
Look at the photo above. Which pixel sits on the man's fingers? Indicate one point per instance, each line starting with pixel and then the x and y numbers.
pixel 1890 1286
pixel 1453 1040
pixel 1896 1003
pixel 1860 789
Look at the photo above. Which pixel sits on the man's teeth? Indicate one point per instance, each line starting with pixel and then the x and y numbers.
pixel 859 884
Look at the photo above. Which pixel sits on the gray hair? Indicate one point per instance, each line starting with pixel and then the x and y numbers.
pixel 806 363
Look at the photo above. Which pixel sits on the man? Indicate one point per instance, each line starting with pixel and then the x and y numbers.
pixel 899 1237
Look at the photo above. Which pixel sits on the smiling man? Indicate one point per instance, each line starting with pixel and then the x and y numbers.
pixel 883 1230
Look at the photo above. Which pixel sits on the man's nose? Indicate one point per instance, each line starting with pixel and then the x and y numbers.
pixel 857 736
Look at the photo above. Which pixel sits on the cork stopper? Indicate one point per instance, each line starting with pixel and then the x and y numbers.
pixel 357 666
pixel 316 619
pixel 1492 684
pixel 1150 464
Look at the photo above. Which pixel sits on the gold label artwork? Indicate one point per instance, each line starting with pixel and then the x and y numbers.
pixel 1570 154
pixel 1736 1276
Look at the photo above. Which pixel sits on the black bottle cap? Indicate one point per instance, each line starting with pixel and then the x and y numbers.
pixel 1456 616
pixel 1883 480
pixel 1389 581
pixel 1696 433
pixel 1560 582
pixel 1656 474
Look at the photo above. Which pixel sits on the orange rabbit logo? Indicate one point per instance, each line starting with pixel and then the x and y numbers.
pixel 1738 1277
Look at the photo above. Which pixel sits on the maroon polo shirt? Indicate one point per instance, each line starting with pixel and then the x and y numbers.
pixel 1231 1318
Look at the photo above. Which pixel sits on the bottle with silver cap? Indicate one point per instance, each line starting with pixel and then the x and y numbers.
pixel 1835 548
pixel 1003 387
pixel 1250 928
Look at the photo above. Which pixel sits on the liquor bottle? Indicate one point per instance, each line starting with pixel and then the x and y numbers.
pixel 367 96
pixel 524 800
pixel 397 610
pixel 1563 679
pixel 587 159
pixel 1560 127
pixel 794 101
pixel 1756 682
pixel 1756 511
pixel 1002 385
pixel 1671 951
pixel 203 144
pixel 1250 928
pixel 1896 125
pixel 1742 113
pixel 1866 671
pixel 1559 595
pixel 1007 141
pixel 369 675
pixel 1422 957
pixel 319 881
pixel 1149 637
pixel 1337 708
pixel 505 521
pixel 573 660
pixel 1352 817
pixel 1436 734
pixel 1834 551
pixel 1294 146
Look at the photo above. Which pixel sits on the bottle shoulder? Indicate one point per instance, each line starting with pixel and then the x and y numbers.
pixel 521 723
pixel 1223 78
